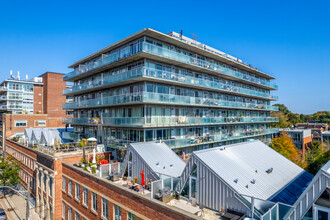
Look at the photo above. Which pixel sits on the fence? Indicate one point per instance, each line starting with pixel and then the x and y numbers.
pixel 158 185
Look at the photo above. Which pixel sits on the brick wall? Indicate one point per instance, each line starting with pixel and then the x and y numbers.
pixel 142 207
pixel 53 94
pixel 38 99
pixel 31 122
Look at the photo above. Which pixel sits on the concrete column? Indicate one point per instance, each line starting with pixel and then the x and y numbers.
pixel 42 189
pixel 53 196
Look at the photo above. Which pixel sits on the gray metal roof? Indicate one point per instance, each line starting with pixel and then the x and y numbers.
pixel 49 136
pixel 247 163
pixel 160 158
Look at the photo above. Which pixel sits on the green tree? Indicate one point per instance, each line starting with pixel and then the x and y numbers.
pixel 316 157
pixel 284 145
pixel 9 172
pixel 283 121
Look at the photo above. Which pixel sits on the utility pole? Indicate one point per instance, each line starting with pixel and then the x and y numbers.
pixel 28 202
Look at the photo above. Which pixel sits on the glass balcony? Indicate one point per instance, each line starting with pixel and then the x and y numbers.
pixel 170 76
pixel 170 54
pixel 186 142
pixel 148 97
pixel 165 121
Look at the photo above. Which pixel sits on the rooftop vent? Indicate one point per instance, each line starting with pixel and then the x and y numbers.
pixel 270 170
pixel 256 171
pixel 171 165
pixel 247 186
pixel 163 167
pixel 253 181
pixel 236 180
pixel 157 164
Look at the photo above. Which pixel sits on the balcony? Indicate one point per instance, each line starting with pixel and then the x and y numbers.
pixel 160 75
pixel 148 97
pixel 191 141
pixel 169 54
pixel 3 89
pixel 166 121
pixel 3 98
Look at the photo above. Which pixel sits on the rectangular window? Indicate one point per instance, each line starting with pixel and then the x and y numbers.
pixel 69 213
pixel 131 216
pixel 77 216
pixel 85 196
pixel 20 123
pixel 117 212
pixel 63 210
pixel 63 183
pixel 70 187
pixel 94 202
pixel 105 208
pixel 40 123
pixel 77 193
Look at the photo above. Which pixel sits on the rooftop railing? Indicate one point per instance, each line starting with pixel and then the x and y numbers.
pixel 169 76
pixel 170 54
pixel 165 121
pixel 149 97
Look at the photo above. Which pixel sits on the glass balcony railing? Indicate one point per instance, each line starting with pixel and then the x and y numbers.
pixel 165 121
pixel 171 76
pixel 186 142
pixel 149 97
pixel 170 54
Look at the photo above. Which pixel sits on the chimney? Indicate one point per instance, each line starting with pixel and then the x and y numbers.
pixel 18 77
pixel 11 74
pixel 27 77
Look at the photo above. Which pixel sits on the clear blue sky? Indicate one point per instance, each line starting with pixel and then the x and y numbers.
pixel 287 39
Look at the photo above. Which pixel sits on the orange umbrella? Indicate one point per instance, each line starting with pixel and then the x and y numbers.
pixel 142 178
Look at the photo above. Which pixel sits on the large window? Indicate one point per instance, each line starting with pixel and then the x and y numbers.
pixel 117 212
pixel 63 183
pixel 63 210
pixel 77 191
pixel 131 216
pixel 77 216
pixel 85 196
pixel 94 202
pixel 21 123
pixel 70 187
pixel 105 208
pixel 69 213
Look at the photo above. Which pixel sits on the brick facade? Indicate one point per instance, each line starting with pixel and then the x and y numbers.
pixel 53 94
pixel 32 121
pixel 38 99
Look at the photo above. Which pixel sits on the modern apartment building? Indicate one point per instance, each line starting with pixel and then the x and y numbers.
pixel 154 86
pixel 32 103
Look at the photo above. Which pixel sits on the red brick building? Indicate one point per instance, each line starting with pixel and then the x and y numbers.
pixel 51 173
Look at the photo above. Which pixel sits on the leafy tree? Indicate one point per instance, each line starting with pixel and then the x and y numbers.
pixel 283 108
pixel 283 121
pixel 9 174
pixel 316 157
pixel 284 145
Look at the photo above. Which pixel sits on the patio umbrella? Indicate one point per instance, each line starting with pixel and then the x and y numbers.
pixel 142 177
pixel 92 139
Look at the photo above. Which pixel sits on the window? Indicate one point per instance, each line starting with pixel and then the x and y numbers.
pixel 94 202
pixel 77 216
pixel 69 213
pixel 63 183
pixel 77 193
pixel 131 216
pixel 63 210
pixel 117 212
pixel 85 196
pixel 105 208
pixel 70 187
pixel 40 123
pixel 21 123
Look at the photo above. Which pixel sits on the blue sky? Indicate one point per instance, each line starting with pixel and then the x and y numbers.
pixel 287 39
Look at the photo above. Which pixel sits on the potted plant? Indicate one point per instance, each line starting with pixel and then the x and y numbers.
pixel 136 179
pixel 93 170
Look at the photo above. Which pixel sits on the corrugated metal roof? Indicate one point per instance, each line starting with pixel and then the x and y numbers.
pixel 160 158
pixel 50 135
pixel 247 163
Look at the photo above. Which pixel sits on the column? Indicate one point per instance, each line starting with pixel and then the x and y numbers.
pixel 47 195
pixel 42 189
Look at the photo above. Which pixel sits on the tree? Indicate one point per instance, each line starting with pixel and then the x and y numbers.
pixel 284 145
pixel 282 120
pixel 9 174
pixel 316 157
